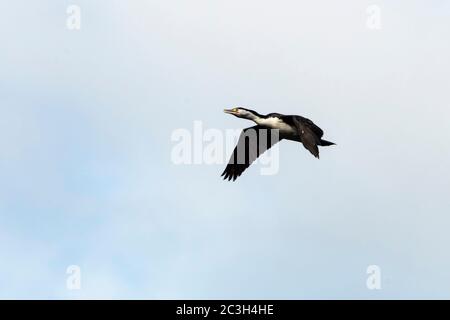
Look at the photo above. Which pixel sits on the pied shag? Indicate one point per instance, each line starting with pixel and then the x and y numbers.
pixel 290 127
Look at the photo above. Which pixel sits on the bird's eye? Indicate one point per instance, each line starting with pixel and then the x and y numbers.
pixel 235 109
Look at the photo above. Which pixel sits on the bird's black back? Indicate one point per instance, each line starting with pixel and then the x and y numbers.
pixel 290 120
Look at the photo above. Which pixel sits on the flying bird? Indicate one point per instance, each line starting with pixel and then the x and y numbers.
pixel 289 127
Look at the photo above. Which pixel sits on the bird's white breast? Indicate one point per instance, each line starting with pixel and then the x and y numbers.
pixel 276 123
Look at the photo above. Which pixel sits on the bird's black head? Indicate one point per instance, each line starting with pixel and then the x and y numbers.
pixel 243 113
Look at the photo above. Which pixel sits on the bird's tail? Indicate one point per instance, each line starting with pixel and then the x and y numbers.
pixel 325 143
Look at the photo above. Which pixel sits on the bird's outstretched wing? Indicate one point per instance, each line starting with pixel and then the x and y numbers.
pixel 253 142
pixel 310 135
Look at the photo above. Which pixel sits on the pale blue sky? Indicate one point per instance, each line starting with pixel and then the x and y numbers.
pixel 86 176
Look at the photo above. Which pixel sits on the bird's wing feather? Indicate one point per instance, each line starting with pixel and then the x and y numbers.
pixel 253 142
pixel 317 131
pixel 305 121
pixel 308 136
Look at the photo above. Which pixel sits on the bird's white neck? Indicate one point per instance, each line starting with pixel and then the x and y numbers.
pixel 254 118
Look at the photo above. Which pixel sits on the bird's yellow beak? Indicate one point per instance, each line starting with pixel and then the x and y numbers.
pixel 230 111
